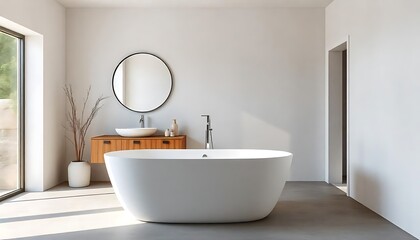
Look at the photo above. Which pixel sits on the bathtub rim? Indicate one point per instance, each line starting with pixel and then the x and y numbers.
pixel 176 154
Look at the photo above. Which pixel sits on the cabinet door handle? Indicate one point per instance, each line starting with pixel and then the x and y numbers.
pixel 165 142
pixel 107 142
pixel 136 142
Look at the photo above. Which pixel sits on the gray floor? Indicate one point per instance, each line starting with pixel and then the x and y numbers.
pixel 306 210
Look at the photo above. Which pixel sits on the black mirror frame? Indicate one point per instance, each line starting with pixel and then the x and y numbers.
pixel 170 73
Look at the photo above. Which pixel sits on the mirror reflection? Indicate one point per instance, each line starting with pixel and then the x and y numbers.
pixel 142 82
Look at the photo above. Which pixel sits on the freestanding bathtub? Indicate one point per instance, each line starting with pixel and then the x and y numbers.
pixel 198 186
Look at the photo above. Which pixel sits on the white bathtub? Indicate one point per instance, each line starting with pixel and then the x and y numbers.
pixel 182 186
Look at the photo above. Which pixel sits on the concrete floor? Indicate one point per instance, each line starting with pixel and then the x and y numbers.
pixel 306 210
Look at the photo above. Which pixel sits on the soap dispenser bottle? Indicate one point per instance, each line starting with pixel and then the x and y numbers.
pixel 174 127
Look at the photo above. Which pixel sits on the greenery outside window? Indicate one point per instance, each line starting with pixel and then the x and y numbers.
pixel 11 113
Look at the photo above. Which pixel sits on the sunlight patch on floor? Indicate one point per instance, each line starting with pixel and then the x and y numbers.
pixel 342 187
pixel 62 209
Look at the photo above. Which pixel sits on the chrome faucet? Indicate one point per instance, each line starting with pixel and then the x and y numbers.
pixel 141 121
pixel 208 142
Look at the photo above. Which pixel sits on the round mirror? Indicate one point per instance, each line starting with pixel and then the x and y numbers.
pixel 142 82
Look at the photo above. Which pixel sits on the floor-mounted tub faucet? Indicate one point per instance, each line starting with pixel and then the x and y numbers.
pixel 141 121
pixel 208 142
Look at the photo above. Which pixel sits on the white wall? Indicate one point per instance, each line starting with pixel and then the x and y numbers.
pixel 258 72
pixel 43 24
pixel 384 101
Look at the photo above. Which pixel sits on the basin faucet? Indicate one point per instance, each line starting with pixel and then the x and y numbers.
pixel 141 121
pixel 208 142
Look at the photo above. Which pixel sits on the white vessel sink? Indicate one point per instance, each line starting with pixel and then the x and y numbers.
pixel 135 132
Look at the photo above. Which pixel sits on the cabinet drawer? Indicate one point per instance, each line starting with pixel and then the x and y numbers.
pixel 100 147
pixel 132 144
pixel 167 144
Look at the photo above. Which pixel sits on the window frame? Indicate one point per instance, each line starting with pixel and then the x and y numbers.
pixel 21 112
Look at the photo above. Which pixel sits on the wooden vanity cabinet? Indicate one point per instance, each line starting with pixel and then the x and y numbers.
pixel 109 143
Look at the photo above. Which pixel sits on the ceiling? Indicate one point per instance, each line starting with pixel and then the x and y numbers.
pixel 192 3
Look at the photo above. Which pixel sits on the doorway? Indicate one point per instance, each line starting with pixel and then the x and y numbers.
pixel 337 117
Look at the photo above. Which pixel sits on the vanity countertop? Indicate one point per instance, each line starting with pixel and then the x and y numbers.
pixel 158 137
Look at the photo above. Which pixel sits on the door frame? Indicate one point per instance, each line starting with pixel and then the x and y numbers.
pixel 338 47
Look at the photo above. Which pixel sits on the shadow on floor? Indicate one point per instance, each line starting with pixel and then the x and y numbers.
pixel 306 210
pixel 57 215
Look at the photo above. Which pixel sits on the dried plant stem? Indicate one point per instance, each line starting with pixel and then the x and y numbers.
pixel 79 126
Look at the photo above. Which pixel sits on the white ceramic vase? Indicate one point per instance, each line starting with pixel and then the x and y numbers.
pixel 79 174
pixel 174 127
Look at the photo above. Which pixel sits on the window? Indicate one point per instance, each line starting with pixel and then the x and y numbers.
pixel 11 113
